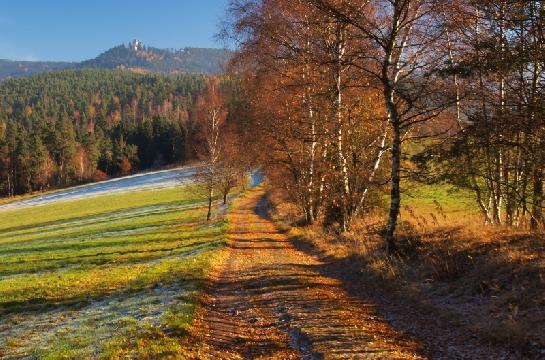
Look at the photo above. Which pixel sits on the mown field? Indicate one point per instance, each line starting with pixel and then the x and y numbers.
pixel 109 277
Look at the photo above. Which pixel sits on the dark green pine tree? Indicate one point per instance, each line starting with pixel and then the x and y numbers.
pixel 92 150
pixel 119 150
pixel 5 165
pixel 144 137
pixel 12 135
pixel 23 163
pixel 41 166
pixel 65 150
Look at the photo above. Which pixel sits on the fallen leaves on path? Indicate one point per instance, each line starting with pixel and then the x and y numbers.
pixel 269 301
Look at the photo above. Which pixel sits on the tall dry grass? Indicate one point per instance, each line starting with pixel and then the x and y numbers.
pixel 486 279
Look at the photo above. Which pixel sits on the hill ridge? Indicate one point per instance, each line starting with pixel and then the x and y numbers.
pixel 134 56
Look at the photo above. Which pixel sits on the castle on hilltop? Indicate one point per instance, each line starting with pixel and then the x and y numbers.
pixel 136 45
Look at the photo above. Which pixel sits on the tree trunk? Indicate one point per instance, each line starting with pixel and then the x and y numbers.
pixel 311 216
pixel 209 215
pixel 537 208
pixel 10 186
pixel 395 191
pixel 455 78
pixel 341 160
pixel 376 165
pixel 498 187
pixel 310 186
pixel 484 209
pixel 321 189
pixel 390 76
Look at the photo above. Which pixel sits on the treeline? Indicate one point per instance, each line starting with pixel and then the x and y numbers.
pixel 69 127
pixel 349 96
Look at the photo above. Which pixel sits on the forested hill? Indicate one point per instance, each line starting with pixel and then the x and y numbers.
pixel 73 126
pixel 142 58
pixel 134 56
pixel 16 69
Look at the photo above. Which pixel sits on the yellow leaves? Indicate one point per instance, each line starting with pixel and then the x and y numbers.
pixel 27 111
pixel 12 342
pixel 142 342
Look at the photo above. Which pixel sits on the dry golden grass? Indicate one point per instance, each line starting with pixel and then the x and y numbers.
pixel 488 280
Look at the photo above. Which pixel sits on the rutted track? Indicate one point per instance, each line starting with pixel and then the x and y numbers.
pixel 270 301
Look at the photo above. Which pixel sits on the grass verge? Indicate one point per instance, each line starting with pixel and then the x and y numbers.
pixel 487 281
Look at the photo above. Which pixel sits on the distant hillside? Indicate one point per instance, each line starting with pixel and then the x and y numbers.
pixel 134 56
pixel 15 69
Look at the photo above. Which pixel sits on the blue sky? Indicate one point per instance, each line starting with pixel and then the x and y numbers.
pixel 74 30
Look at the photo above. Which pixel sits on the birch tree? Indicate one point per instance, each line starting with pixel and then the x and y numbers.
pixel 311 104
pixel 211 114
pixel 403 35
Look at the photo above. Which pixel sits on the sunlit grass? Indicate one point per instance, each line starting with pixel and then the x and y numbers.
pixel 438 204
pixel 104 277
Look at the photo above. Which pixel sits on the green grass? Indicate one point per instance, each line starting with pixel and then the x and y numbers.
pixel 108 277
pixel 451 199
pixel 423 198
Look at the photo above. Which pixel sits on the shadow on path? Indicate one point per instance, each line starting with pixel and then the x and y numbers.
pixel 271 301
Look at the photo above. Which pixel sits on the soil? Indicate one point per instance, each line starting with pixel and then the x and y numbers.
pixel 269 300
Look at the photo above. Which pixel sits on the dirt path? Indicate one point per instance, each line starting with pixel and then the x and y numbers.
pixel 269 301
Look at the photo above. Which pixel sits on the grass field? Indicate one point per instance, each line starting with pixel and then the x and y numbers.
pixel 451 198
pixel 107 277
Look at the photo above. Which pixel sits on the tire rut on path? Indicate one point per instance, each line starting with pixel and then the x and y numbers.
pixel 269 301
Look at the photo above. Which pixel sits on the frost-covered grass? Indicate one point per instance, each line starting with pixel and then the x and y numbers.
pixel 106 277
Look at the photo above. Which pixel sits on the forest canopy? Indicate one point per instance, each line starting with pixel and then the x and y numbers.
pixel 69 127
